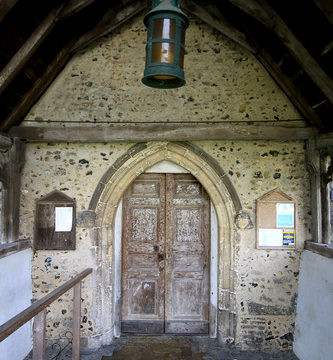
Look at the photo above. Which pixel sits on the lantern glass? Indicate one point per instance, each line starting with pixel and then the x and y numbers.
pixel 163 52
pixel 164 29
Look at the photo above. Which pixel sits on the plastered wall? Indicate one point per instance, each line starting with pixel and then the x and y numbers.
pixel 313 335
pixel 224 83
pixel 15 290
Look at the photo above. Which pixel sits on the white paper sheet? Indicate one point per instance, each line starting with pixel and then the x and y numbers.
pixel 63 219
pixel 270 237
pixel 285 215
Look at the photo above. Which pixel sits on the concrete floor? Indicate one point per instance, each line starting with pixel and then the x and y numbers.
pixel 176 348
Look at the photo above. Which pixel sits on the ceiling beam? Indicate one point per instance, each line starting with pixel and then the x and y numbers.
pixel 218 23
pixel 27 49
pixel 111 21
pixel 39 86
pixel 72 7
pixel 261 11
pixel 324 141
pixel 326 6
pixel 139 132
pixel 5 7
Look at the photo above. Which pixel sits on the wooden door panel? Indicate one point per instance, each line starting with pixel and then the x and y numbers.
pixel 143 294
pixel 165 279
pixel 187 244
pixel 143 241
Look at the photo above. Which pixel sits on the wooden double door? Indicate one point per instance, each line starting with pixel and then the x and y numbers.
pixel 165 256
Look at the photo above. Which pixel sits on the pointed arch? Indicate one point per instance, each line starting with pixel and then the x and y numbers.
pixel 104 204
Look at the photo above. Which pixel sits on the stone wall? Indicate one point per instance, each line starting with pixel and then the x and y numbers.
pixel 101 85
pixel 265 280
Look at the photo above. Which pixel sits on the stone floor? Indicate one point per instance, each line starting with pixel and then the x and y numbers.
pixel 176 348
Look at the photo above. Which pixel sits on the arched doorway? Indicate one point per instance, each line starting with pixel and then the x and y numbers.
pixel 105 203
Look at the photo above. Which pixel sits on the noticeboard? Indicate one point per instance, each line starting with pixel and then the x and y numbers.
pixel 276 221
pixel 55 222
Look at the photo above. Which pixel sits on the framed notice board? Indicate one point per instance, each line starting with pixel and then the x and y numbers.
pixel 276 221
pixel 55 222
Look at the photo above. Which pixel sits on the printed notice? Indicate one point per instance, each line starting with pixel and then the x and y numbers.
pixel 63 219
pixel 285 215
pixel 270 237
pixel 289 238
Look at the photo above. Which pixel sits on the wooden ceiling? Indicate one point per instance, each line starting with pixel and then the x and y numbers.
pixel 292 39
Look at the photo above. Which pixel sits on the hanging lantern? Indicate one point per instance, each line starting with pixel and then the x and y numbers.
pixel 166 25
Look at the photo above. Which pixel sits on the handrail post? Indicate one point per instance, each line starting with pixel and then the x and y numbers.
pixel 76 321
pixel 38 311
pixel 38 352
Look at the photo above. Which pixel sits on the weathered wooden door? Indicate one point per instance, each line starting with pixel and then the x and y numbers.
pixel 165 272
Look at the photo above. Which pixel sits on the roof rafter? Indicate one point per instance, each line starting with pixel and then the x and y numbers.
pixel 73 7
pixel 28 49
pixel 5 7
pixel 219 24
pixel 40 85
pixel 112 20
pixel 326 7
pixel 261 11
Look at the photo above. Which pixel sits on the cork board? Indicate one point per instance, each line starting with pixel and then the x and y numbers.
pixel 55 222
pixel 276 221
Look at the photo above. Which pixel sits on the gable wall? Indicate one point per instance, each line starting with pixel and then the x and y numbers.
pixel 224 83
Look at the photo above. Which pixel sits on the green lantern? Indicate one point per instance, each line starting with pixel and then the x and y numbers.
pixel 166 25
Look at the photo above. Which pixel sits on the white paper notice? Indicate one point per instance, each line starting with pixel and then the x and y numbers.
pixel 63 218
pixel 285 215
pixel 270 237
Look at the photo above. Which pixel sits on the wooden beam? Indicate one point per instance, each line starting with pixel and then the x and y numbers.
pixel 24 316
pixel 251 7
pixel 326 6
pixel 5 7
pixel 218 23
pixel 325 141
pixel 39 332
pixel 111 21
pixel 260 10
pixel 27 49
pixel 5 142
pixel 40 85
pixel 72 7
pixel 140 132
pixel 313 166
pixel 76 321
pixel 318 248
pixel 288 87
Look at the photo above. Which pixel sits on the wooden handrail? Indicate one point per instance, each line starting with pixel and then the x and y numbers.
pixel 20 319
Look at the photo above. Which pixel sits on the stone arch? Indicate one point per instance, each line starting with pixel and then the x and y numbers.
pixel 104 205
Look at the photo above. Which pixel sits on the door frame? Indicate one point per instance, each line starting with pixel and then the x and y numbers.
pixel 100 219
pixel 165 167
